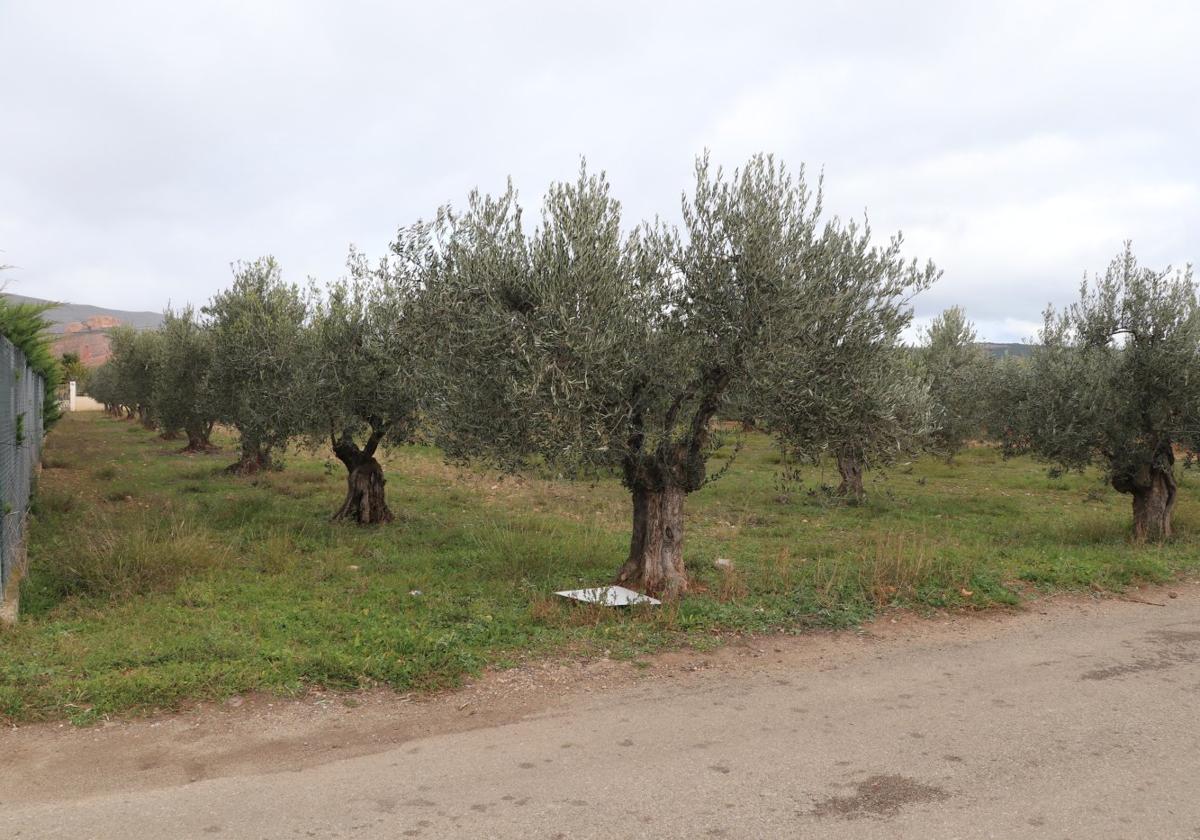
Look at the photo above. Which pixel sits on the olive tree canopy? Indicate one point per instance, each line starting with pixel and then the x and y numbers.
pixel 362 358
pixel 956 370
pixel 103 387
pixel 590 349
pixel 1115 382
pixel 254 380
pixel 181 383
pixel 135 360
pixel 835 379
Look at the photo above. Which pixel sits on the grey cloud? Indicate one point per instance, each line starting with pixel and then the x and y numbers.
pixel 147 145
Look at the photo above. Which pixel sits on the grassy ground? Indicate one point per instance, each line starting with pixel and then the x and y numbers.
pixel 156 579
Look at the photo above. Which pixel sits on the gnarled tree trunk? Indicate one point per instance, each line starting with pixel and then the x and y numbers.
pixel 1152 508
pixel 254 460
pixel 365 501
pixel 849 463
pixel 1153 489
pixel 655 564
pixel 197 437
pixel 660 480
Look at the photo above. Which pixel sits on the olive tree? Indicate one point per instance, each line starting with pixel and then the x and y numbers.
pixel 835 378
pixel 361 362
pixel 1004 401
pixel 254 379
pixel 589 349
pixel 102 387
pixel 135 360
pixel 1114 383
pixel 181 384
pixel 956 369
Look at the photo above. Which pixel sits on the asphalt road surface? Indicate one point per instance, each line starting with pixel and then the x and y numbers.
pixel 1075 719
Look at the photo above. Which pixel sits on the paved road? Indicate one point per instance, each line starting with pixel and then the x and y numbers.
pixel 1081 722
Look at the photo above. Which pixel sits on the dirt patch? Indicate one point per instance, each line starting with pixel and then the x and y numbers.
pixel 880 796
pixel 1173 648
pixel 261 733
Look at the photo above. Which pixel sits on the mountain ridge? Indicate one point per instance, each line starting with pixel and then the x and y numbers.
pixel 64 314
pixel 83 329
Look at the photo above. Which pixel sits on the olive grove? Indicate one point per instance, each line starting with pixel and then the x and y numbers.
pixel 581 346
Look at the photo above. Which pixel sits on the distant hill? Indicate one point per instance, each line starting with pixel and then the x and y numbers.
pixel 84 329
pixel 1001 350
pixel 78 313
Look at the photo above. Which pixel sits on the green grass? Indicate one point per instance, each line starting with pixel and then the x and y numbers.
pixel 156 579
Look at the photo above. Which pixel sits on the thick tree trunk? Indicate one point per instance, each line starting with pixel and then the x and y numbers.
pixel 850 467
pixel 1153 504
pixel 655 564
pixel 365 501
pixel 197 437
pixel 1153 489
pixel 253 460
pixel 660 480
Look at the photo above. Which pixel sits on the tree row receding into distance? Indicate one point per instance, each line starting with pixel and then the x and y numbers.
pixel 582 345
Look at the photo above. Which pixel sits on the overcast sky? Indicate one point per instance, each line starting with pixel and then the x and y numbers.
pixel 145 146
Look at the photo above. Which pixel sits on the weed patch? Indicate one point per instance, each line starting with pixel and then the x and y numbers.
pixel 49 501
pixel 139 555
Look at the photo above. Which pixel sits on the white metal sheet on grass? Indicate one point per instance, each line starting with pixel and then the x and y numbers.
pixel 609 596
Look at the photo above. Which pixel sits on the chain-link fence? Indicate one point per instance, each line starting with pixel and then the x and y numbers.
pixel 21 431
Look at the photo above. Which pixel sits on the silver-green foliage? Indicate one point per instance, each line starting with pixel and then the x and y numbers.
pixel 835 378
pixel 957 371
pixel 364 352
pixel 103 387
pixel 181 392
pixel 257 327
pixel 589 348
pixel 135 362
pixel 1116 380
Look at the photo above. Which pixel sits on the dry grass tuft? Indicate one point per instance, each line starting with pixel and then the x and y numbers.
pixel 121 560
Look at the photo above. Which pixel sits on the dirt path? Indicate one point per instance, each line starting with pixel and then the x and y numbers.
pixel 1077 718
